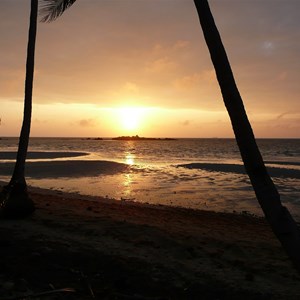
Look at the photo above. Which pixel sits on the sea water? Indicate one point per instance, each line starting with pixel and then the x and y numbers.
pixel 193 173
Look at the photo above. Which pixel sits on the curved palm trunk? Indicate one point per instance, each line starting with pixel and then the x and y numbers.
pixel 283 225
pixel 19 170
pixel 15 201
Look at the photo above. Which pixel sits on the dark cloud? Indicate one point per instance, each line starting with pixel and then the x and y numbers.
pixel 185 123
pixel 87 122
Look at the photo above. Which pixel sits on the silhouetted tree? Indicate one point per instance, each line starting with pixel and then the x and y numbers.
pixel 14 199
pixel 282 223
pixel 52 9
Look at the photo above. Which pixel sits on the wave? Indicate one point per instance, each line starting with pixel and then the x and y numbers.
pixel 287 163
pixel 240 169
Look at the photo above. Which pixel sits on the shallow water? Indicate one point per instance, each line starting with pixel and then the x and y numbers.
pixel 195 173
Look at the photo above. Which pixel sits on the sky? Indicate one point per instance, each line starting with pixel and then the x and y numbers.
pixel 107 68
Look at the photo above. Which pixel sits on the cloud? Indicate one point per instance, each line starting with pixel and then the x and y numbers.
pixel 281 115
pixel 268 47
pixel 131 87
pixel 192 81
pixel 12 84
pixel 39 121
pixel 288 116
pixel 170 47
pixel 160 65
pixel 157 49
pixel 181 44
pixel 269 124
pixel 87 122
pixel 282 76
pixel 187 82
pixel 185 123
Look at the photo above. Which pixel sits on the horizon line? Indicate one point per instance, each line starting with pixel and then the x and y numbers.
pixel 161 137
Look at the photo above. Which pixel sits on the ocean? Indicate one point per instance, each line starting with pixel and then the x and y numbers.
pixel 193 173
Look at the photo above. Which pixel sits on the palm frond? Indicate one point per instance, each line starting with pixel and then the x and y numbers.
pixel 52 9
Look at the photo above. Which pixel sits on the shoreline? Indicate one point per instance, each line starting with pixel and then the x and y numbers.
pixel 59 163
pixel 202 185
pixel 128 250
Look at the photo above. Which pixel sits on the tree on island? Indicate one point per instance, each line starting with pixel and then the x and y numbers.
pixel 14 199
pixel 282 223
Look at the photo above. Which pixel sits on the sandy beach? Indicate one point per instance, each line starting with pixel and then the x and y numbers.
pixel 111 249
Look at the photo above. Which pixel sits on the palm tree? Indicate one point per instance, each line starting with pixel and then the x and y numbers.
pixel 282 223
pixel 14 199
pixel 52 9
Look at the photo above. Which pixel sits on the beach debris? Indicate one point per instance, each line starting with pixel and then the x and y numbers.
pixel 83 279
pixel 86 284
pixel 127 199
pixel 136 297
pixel 41 294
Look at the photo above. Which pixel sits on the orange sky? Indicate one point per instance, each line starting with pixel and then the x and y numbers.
pixel 102 58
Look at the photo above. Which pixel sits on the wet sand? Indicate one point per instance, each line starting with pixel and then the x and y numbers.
pixel 123 250
pixel 60 164
pixel 216 186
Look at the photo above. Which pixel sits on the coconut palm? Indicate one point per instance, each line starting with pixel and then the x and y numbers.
pixel 14 199
pixel 282 223
pixel 52 9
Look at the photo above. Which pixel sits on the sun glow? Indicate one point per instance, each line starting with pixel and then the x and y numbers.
pixel 131 117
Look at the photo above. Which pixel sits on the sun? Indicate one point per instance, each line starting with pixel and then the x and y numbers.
pixel 130 117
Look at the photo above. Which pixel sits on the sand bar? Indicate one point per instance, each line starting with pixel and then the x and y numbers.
pixel 67 168
pixel 240 169
pixel 82 168
pixel 124 250
pixel 41 155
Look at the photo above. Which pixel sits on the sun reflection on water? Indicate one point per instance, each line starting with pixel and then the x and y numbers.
pixel 129 159
pixel 129 153
pixel 128 178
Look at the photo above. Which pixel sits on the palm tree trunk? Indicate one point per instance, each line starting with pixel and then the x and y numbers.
pixel 14 199
pixel 282 223
pixel 19 170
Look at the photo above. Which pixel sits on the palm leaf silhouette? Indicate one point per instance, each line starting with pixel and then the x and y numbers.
pixel 51 9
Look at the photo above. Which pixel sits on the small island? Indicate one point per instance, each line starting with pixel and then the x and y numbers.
pixel 137 138
pixel 93 139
